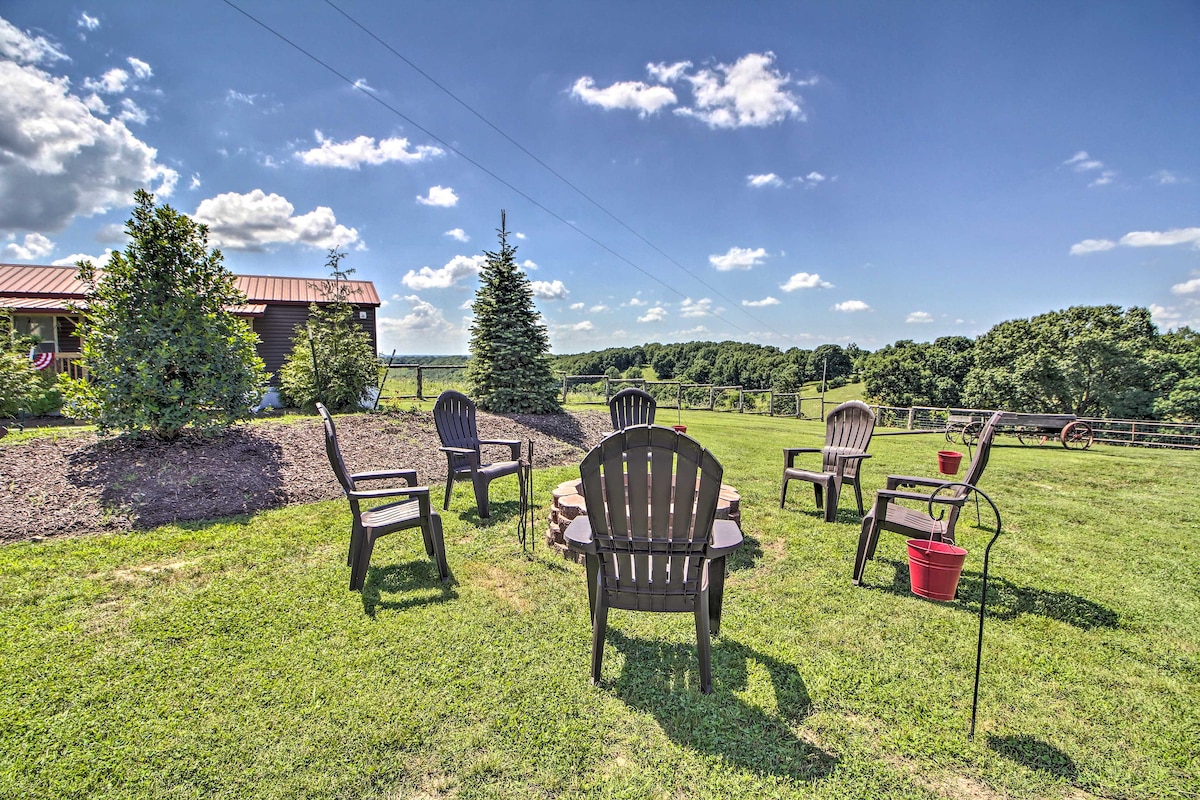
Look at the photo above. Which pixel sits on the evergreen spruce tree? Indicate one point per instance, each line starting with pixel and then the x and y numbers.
pixel 509 371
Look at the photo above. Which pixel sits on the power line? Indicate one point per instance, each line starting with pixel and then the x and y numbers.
pixel 355 85
pixel 539 161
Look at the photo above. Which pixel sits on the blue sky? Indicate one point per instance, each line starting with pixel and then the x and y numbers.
pixel 782 173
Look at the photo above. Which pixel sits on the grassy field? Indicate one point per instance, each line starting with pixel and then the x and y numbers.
pixel 228 659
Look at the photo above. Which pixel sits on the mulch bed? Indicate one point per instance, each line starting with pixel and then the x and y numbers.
pixel 78 483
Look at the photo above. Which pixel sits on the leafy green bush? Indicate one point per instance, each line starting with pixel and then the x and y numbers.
pixel 332 360
pixel 161 349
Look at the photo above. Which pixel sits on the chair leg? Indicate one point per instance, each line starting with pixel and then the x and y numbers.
pixel 449 488
pixel 819 496
pixel 704 642
pixel 356 537
pixel 358 570
pixel 858 495
pixel 481 498
pixel 599 626
pixel 833 492
pixel 866 547
pixel 439 548
pixel 592 564
pixel 783 491
pixel 716 593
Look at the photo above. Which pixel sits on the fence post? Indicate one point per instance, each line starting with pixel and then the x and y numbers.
pixel 910 418
pixel 712 397
pixel 1133 433
pixel 770 404
pixel 741 401
pixel 607 389
pixel 420 390
pixel 564 387
pixel 679 396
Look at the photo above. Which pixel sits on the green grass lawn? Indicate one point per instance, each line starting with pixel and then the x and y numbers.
pixel 228 658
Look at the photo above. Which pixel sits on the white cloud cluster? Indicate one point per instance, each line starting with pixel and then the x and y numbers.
pixel 1187 287
pixel 424 320
pixel 441 196
pixel 695 308
pixel 35 247
pixel 458 234
pixel 1083 163
pixel 361 150
pixel 851 306
pixel 919 317
pixel 87 22
pixel 805 280
pixel 60 160
pixel 748 93
pixel 1176 236
pixel 549 290
pixel 455 270
pixel 766 301
pixel 656 314
pixel 257 220
pixel 762 181
pixel 738 258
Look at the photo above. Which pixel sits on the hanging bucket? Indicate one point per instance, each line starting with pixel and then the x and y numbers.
pixel 934 568
pixel 948 462
pixel 680 428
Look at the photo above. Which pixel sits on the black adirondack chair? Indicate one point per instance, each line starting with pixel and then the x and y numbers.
pixel 631 406
pixel 454 415
pixel 848 430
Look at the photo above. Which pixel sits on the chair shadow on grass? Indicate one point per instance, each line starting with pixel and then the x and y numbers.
pixel 1031 752
pixel 414 583
pixel 746 556
pixel 663 679
pixel 1007 600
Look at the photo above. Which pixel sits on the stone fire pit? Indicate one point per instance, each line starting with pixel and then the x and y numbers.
pixel 568 503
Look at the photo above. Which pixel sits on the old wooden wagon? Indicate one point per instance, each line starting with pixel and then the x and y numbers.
pixel 1067 429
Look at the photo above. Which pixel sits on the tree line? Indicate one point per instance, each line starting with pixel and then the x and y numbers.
pixel 1092 361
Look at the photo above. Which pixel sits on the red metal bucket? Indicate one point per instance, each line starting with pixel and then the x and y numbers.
pixel 948 462
pixel 680 428
pixel 934 568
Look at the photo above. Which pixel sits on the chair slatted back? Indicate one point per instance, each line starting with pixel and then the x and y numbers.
pixel 631 406
pixel 983 450
pixel 651 496
pixel 848 429
pixel 334 452
pixel 454 416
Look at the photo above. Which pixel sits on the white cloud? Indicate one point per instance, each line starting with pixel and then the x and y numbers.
pixel 141 70
pixel 458 234
pixel 232 97
pixel 424 320
pixel 25 49
pixel 598 308
pixel 1187 287
pixel 363 150
pixel 577 306
pixel 95 261
pixel 112 82
pixel 34 247
pixel 919 317
pixel 255 220
pixel 1082 162
pixel 60 160
pixel 1106 177
pixel 805 280
pixel 749 92
pixel 1165 177
pixel 1092 246
pixel 812 179
pixel 361 83
pixel 668 73
pixel 442 196
pixel 132 112
pixel 195 182
pixel 87 22
pixel 1170 317
pixel 697 332
pixel 1162 238
pixel 656 314
pixel 633 95
pixel 529 266
pixel 766 301
pixel 695 308
pixel 738 258
pixel 455 270
pixel 759 181
pixel 576 327
pixel 549 290
pixel 637 301
pixel 851 306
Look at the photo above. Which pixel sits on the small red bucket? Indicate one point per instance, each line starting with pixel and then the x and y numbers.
pixel 934 568
pixel 948 462
pixel 680 428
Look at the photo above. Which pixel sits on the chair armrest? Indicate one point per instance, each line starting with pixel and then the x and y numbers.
pixel 843 457
pixel 790 453
pixel 467 453
pixel 407 475
pixel 514 444
pixel 890 494
pixel 578 535
pixel 380 494
pixel 726 537
pixel 895 481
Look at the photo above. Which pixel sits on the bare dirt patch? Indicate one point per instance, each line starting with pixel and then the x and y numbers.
pixel 78 483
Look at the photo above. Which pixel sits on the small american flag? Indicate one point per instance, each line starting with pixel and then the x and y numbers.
pixel 41 360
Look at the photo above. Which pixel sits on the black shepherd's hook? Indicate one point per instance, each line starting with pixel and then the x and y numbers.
pixel 983 595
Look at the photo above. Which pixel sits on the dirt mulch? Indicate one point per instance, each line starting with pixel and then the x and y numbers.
pixel 78 483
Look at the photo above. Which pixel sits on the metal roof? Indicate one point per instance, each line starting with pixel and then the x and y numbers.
pixel 34 284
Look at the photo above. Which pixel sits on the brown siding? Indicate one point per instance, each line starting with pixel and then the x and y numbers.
pixel 276 328
pixel 68 338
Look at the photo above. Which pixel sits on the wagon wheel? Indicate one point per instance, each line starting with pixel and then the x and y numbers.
pixel 1077 434
pixel 1031 436
pixel 970 432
